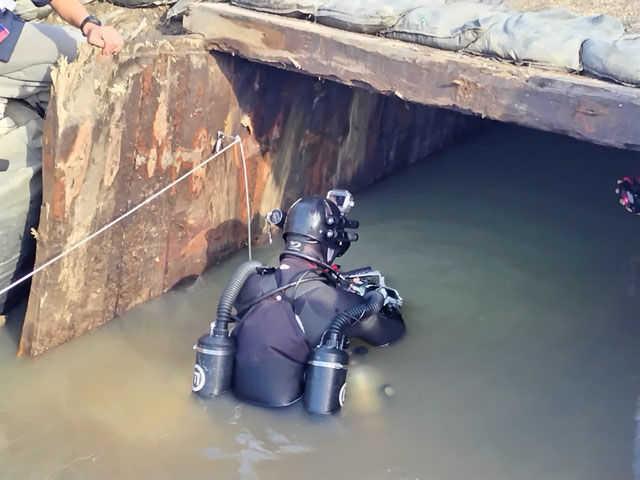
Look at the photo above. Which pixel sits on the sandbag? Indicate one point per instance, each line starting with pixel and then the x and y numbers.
pixel 141 3
pixel 365 16
pixel 178 9
pixel 26 10
pixel 20 199
pixel 450 26
pixel 551 38
pixel 296 8
pixel 617 60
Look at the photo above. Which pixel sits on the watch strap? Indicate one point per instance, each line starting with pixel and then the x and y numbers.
pixel 90 19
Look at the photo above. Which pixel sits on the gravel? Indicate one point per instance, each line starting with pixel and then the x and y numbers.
pixel 627 11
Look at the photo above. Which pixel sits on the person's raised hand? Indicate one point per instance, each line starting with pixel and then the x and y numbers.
pixel 105 37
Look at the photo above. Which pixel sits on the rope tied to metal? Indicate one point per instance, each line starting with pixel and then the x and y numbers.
pixel 218 150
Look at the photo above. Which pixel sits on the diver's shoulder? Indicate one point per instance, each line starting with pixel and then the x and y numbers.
pixel 256 286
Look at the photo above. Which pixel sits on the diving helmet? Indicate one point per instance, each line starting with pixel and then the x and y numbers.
pixel 316 221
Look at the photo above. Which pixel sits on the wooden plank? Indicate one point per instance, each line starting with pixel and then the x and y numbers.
pixel 581 107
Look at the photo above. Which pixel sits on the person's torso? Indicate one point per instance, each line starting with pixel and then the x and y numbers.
pixel 277 330
pixel 314 299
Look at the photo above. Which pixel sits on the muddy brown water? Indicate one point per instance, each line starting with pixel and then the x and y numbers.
pixel 521 277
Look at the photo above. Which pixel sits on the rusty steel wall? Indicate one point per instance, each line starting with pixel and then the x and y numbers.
pixel 118 129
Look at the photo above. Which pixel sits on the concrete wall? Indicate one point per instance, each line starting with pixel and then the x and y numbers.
pixel 119 129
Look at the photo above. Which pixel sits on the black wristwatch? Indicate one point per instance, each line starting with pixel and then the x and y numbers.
pixel 90 19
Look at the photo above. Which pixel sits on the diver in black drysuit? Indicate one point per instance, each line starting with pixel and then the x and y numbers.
pixel 276 332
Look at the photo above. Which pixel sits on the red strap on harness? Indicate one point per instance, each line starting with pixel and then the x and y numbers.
pixel 333 267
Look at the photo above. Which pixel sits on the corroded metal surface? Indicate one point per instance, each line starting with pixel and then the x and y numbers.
pixel 151 114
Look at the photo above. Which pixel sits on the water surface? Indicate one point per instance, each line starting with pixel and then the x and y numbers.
pixel 521 277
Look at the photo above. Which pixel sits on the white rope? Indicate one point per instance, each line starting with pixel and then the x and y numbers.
pixel 246 190
pixel 236 140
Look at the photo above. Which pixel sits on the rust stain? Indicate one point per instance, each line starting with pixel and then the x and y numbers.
pixel 198 179
pixel 263 170
pixel 147 79
pixel 200 139
pixel 74 166
pixel 179 102
pixel 58 202
pixel 200 146
pixel 196 245
pixel 465 89
pixel 161 133
pixel 175 168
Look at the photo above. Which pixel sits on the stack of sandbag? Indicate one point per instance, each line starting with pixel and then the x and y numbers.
pixel 550 38
pixel 365 16
pixel 20 198
pixel 613 59
pixel 296 8
pixel 450 26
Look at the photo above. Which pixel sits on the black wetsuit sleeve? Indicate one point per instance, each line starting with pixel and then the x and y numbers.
pixel 319 305
pixel 379 329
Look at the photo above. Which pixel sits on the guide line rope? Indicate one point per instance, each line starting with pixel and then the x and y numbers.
pixel 218 151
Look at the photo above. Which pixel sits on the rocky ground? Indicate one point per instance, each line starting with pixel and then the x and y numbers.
pixel 131 22
pixel 627 11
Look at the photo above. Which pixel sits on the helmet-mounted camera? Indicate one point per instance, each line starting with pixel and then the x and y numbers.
pixel 342 198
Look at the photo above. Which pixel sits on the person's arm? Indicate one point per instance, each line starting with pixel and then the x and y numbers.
pixel 74 13
pixel 379 329
pixel 319 307
pixel 383 327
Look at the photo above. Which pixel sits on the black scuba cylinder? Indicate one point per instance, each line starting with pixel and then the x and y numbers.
pixel 326 374
pixel 215 351
pixel 213 370
pixel 325 380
